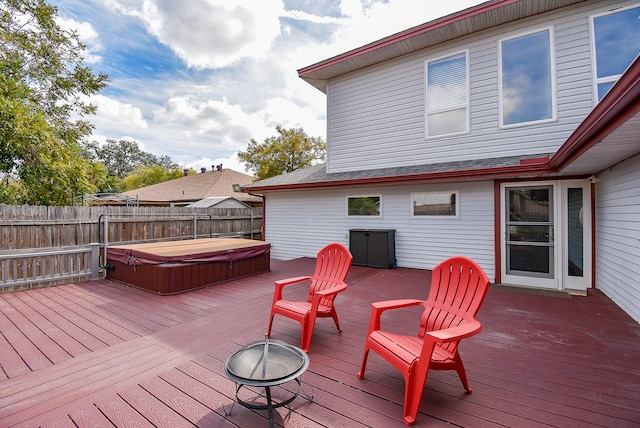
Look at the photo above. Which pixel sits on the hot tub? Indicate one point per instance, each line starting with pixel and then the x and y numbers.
pixel 172 267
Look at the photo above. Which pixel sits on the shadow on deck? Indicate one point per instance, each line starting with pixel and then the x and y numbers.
pixel 105 354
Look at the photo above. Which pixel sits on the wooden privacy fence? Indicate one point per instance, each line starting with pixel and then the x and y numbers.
pixel 44 245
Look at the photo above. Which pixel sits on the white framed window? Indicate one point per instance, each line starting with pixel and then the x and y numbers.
pixel 616 43
pixel 435 204
pixel 527 79
pixel 364 206
pixel 447 95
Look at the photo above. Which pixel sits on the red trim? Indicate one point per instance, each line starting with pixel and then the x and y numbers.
pixel 497 242
pixel 264 218
pixel 535 161
pixel 407 34
pixel 617 106
pixel 593 236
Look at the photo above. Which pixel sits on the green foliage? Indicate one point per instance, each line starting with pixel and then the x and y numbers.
pixel 291 149
pixel 43 85
pixel 123 157
pixel 365 205
pixel 101 180
pixel 147 175
pixel 121 165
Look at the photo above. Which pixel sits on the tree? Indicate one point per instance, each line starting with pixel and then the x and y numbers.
pixel 122 157
pixel 128 166
pixel 291 149
pixel 147 175
pixel 43 85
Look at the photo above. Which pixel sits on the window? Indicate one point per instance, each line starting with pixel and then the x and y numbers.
pixel 527 92
pixel 363 205
pixel 435 204
pixel 617 43
pixel 447 107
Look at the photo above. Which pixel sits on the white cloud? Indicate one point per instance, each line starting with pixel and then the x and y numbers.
pixel 377 20
pixel 239 81
pixel 88 35
pixel 209 33
pixel 114 112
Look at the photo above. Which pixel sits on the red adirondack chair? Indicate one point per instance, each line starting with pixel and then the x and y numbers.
pixel 458 287
pixel 332 266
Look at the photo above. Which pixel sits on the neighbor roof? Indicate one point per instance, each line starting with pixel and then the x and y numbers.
pixel 194 187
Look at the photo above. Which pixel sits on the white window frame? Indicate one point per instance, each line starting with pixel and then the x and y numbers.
pixel 465 105
pixel 455 215
pixel 364 196
pixel 552 65
pixel 594 66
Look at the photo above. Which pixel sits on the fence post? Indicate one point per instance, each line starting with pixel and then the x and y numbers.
pixel 95 260
pixel 106 239
pixel 195 225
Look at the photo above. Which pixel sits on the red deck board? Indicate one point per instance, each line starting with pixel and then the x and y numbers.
pixel 90 416
pixel 153 409
pixel 56 315
pixel 107 331
pixel 127 323
pixel 121 414
pixel 71 346
pixel 540 360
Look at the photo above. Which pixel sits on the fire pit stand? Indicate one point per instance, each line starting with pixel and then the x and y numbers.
pixel 266 363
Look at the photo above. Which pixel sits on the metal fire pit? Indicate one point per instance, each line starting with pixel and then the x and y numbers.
pixel 266 363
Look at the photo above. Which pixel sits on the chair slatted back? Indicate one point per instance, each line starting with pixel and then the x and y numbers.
pixel 332 266
pixel 458 288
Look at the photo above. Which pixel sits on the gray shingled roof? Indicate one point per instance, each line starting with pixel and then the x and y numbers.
pixel 195 187
pixel 317 174
pixel 213 201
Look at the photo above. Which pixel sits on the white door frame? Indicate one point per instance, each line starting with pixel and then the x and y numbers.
pixel 560 278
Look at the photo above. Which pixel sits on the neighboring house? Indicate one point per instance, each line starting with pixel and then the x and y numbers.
pixel 218 182
pixel 218 202
pixel 508 132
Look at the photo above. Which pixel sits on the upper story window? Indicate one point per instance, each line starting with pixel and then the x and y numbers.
pixel 616 43
pixel 447 105
pixel 527 90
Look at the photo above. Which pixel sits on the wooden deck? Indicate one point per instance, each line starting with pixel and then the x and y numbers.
pixel 103 354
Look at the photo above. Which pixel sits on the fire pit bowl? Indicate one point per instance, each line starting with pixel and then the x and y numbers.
pixel 266 363
pixel 263 362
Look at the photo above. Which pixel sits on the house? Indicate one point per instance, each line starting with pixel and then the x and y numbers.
pixel 218 202
pixel 217 183
pixel 508 132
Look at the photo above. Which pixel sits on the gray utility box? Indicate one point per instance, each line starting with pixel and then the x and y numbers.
pixel 373 247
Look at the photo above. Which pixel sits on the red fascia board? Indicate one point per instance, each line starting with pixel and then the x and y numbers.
pixel 407 34
pixel 618 105
pixel 450 176
pixel 535 161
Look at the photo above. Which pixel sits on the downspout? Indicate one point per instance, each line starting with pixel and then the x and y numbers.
pixel 264 212
pixel 264 217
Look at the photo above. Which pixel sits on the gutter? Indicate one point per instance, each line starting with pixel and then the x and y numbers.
pixel 619 104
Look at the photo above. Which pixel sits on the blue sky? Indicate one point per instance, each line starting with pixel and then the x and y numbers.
pixel 196 80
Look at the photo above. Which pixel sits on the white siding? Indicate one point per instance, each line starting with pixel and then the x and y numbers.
pixel 300 223
pixel 618 235
pixel 375 111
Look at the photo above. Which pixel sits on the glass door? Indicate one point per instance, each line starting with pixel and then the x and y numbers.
pixel 546 234
pixel 577 237
pixel 530 235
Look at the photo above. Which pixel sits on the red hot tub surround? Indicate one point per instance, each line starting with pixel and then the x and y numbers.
pixel 173 267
